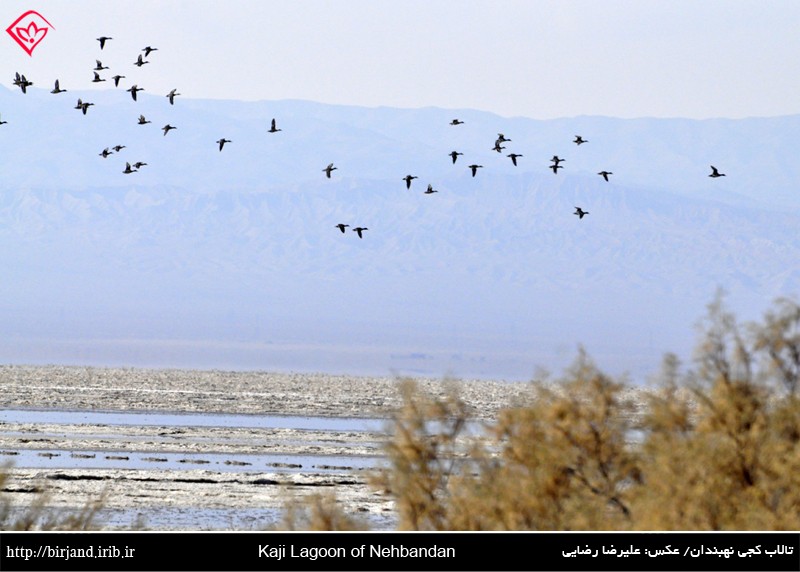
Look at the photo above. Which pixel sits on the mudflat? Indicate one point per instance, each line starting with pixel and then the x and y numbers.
pixel 185 474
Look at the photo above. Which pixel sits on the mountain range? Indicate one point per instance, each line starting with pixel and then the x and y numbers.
pixel 231 259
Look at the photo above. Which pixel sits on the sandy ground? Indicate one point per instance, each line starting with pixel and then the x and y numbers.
pixel 203 496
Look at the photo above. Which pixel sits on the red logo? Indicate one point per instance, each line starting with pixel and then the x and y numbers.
pixel 29 30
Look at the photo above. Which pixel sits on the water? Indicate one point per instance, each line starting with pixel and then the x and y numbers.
pixel 159 419
pixel 219 462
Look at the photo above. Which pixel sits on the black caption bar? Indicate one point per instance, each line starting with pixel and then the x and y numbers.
pixel 457 551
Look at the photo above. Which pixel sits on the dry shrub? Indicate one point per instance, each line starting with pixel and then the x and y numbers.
pixel 37 515
pixel 716 448
pixel 316 513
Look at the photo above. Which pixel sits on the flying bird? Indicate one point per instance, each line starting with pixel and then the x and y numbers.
pixel 148 49
pixel 475 168
pixel 579 140
pixel 143 121
pixel 57 89
pixel 456 122
pixel 83 106
pixel 171 95
pixel 502 138
pixel 140 61
pixel 102 40
pixel 341 227
pixel 715 173
pixel 118 148
pixel 138 165
pixel 168 127
pixel 116 79
pixel 133 89
pixel 514 157
pixel 100 66
pixel 556 159
pixel 555 167
pixel 22 82
pixel 430 190
pixel 2 122
pixel 497 147
pixel 359 230
pixel 220 141
pixel 408 179
pixel 97 78
pixel 454 155
pixel 105 153
pixel 274 129
pixel 128 169
pixel 328 170
pixel 580 212
pixel 605 174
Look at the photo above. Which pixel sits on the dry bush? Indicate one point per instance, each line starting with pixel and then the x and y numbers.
pixel 37 515
pixel 316 513
pixel 717 447
pixel 725 454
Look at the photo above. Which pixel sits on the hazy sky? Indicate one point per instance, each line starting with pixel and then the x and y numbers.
pixel 541 59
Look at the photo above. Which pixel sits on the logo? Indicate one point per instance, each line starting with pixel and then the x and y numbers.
pixel 29 30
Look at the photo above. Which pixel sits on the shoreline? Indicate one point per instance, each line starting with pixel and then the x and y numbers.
pixel 205 498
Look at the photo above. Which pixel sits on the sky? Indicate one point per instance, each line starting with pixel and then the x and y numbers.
pixel 534 58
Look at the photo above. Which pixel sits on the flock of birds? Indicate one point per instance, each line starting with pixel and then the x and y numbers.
pixel 23 83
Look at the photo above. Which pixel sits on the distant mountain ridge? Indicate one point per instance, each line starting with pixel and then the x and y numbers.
pixel 490 276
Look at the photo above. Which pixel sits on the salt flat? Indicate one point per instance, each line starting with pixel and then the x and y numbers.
pixel 206 493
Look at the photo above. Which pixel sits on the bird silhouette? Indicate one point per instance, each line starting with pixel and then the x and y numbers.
pixel 118 148
pixel 97 78
pixel 359 230
pixel 102 40
pixel 143 121
pixel 715 173
pixel 57 89
pixel 456 122
pixel 556 159
pixel 555 167
pixel 454 155
pixel 514 157
pixel 83 106
pixel 341 227
pixel 3 122
pixel 408 179
pixel 138 165
pixel 221 142
pixel 497 147
pixel 430 190
pixel 605 174
pixel 116 79
pixel 148 49
pixel 140 61
pixel 475 168
pixel 581 213
pixel 100 66
pixel 169 127
pixel 128 169
pixel 274 129
pixel 133 89
pixel 328 170
pixel 502 138
pixel 105 153
pixel 171 95
pixel 579 140
pixel 22 82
